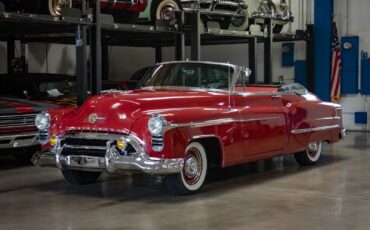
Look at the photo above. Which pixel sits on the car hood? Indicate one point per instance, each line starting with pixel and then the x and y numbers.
pixel 117 111
pixel 10 105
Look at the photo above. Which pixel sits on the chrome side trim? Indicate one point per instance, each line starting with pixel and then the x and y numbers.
pixel 316 129
pixel 216 122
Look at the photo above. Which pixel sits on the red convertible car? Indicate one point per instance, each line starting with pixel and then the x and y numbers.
pixel 185 118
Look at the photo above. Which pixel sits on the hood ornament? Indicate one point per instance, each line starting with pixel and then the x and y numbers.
pixel 93 118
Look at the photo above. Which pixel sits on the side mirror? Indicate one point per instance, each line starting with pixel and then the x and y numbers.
pixel 25 93
pixel 247 72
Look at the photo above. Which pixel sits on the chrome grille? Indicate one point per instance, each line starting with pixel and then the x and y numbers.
pixel 91 144
pixel 17 120
pixel 157 143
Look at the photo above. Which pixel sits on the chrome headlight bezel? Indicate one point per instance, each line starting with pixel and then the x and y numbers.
pixel 156 125
pixel 42 121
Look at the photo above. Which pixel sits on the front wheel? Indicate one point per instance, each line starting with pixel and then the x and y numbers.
pixel 80 177
pixel 311 155
pixel 240 22
pixel 193 174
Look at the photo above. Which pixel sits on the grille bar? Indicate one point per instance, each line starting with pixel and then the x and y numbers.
pixel 17 120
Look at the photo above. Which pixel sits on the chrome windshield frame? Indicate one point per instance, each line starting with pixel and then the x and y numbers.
pixel 234 77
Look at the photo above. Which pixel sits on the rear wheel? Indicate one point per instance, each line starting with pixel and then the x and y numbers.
pixel 165 10
pixel 193 175
pixel 56 6
pixel 311 155
pixel 80 177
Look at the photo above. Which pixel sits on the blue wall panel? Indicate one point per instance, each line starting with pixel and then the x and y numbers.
pixel 323 37
pixel 300 72
pixel 288 54
pixel 365 76
pixel 350 60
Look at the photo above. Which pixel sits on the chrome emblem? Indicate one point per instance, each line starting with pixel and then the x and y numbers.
pixel 92 118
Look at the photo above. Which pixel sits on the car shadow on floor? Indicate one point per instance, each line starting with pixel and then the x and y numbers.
pixel 9 162
pixel 116 189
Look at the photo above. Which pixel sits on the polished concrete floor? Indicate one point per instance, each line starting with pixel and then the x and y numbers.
pixel 335 194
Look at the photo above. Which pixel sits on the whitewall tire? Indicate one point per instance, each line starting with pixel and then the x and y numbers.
pixel 193 174
pixel 311 155
pixel 165 10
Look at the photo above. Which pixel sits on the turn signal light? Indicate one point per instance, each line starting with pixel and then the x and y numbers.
pixel 53 141
pixel 121 144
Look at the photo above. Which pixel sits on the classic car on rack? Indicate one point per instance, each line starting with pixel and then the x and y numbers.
pixel 278 10
pixel 122 10
pixel 185 118
pixel 225 13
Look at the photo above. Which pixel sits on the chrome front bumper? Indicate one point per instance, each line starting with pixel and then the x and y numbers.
pixel 277 17
pixel 211 7
pixel 113 162
pixel 19 140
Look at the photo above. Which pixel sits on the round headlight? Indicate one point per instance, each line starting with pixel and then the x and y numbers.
pixel 155 125
pixel 42 121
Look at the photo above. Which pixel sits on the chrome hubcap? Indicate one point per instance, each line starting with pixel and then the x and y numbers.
pixel 240 19
pixel 313 148
pixel 168 12
pixel 58 5
pixel 193 166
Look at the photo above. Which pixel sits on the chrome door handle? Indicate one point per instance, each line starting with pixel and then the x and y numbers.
pixel 276 96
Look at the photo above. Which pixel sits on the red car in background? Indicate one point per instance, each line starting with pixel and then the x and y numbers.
pixel 18 133
pixel 122 10
pixel 21 98
pixel 184 118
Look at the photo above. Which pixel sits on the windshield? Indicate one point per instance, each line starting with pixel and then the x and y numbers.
pixel 192 75
pixel 58 88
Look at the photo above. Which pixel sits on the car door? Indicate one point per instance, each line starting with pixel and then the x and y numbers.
pixel 263 122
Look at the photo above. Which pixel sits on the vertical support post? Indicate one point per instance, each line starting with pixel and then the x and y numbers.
pixel 96 50
pixel 252 47
pixel 105 60
pixel 81 64
pixel 195 35
pixel 179 46
pixel 322 39
pixel 158 54
pixel 24 56
pixel 10 55
pixel 310 55
pixel 268 52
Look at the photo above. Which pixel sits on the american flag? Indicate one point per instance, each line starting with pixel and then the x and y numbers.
pixel 336 66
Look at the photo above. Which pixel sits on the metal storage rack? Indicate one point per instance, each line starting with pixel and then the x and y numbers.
pixel 100 31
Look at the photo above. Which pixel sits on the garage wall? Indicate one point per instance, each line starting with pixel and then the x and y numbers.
pixel 126 60
pixel 357 18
